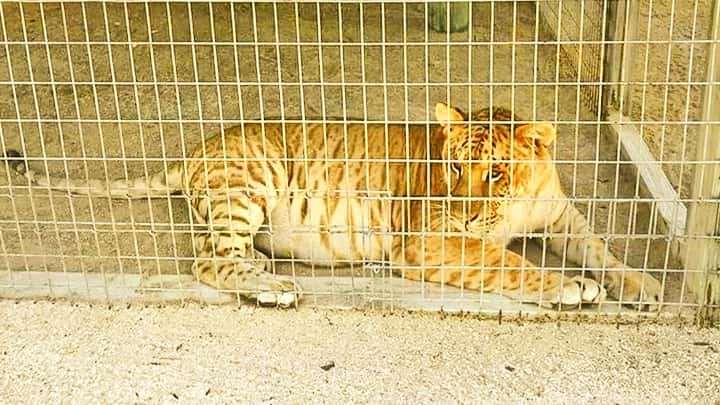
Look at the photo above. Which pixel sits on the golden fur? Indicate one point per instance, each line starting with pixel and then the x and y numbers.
pixel 441 202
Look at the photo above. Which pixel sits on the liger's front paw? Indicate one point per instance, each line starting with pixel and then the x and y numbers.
pixel 639 290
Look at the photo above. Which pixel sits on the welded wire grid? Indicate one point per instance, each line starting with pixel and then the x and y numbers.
pixel 119 90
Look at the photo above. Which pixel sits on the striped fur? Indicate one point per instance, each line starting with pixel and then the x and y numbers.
pixel 440 202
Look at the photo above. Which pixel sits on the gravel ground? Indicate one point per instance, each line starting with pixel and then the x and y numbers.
pixel 65 353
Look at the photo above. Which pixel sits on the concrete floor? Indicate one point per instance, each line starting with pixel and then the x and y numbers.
pixel 65 353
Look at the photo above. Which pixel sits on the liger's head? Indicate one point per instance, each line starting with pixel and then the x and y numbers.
pixel 489 165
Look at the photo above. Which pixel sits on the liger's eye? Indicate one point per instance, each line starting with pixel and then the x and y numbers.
pixel 491 175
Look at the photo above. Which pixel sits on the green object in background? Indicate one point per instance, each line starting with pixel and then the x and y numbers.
pixel 438 18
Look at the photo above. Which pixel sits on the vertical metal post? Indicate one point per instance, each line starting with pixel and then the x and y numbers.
pixel 621 26
pixel 631 10
pixel 615 31
pixel 702 258
pixel 612 55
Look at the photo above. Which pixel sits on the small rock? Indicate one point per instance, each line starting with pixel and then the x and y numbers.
pixel 328 366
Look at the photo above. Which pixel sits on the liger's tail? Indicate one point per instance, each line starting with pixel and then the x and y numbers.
pixel 156 185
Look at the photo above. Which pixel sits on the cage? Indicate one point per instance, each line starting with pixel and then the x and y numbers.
pixel 100 93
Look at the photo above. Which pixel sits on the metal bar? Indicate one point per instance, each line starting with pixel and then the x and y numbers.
pixel 703 254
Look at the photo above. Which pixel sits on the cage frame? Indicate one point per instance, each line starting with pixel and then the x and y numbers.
pixel 694 222
pixel 701 253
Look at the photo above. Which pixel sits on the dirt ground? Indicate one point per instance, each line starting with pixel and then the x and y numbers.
pixel 667 96
pixel 92 89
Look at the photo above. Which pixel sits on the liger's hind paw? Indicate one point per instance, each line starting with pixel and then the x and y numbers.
pixel 276 291
pixel 578 290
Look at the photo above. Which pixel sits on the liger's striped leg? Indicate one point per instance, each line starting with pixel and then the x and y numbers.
pixel 583 247
pixel 489 267
pixel 226 259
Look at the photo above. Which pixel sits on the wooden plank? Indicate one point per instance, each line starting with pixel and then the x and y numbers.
pixel 702 256
pixel 330 292
pixel 634 149
pixel 382 292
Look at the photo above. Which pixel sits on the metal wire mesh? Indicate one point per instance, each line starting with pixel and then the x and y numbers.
pixel 119 90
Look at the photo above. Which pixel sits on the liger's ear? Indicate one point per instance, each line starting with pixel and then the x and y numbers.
pixel 446 115
pixel 543 133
